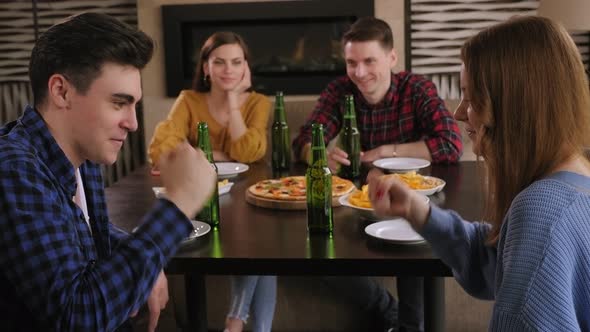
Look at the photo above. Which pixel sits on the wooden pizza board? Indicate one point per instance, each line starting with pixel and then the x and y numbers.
pixel 281 204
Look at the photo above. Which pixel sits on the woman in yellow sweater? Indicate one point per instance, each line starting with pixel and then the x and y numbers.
pixel 221 96
pixel 237 120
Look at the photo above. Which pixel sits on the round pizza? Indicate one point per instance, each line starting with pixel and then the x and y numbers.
pixel 292 188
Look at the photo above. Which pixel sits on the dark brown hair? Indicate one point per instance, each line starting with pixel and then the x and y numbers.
pixel 78 47
pixel 200 82
pixel 367 29
pixel 526 80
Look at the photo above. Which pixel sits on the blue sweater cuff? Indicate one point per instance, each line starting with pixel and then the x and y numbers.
pixel 439 222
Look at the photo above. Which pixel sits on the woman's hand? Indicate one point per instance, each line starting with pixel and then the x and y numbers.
pixel 391 197
pixel 246 81
pixel 233 96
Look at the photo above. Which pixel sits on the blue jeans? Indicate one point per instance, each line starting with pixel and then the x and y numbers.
pixel 256 295
pixel 375 300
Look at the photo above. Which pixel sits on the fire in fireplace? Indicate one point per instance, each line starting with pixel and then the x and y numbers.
pixel 294 45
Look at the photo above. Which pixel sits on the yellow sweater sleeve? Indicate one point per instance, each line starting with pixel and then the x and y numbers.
pixel 251 146
pixel 170 132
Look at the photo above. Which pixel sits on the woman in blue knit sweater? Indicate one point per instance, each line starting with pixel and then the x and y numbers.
pixel 526 106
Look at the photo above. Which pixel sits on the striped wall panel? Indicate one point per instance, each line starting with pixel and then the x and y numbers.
pixel 17 37
pixel 17 31
pixel 13 97
pixel 439 28
pixel 582 39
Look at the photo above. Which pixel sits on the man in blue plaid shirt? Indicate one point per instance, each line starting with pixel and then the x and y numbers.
pixel 63 266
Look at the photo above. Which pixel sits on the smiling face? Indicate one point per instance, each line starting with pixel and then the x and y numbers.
pixel 225 66
pixel 369 66
pixel 473 121
pixel 98 121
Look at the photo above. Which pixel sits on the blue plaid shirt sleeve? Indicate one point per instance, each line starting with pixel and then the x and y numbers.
pixel 116 235
pixel 55 274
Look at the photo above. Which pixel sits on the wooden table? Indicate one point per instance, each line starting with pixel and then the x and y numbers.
pixel 254 240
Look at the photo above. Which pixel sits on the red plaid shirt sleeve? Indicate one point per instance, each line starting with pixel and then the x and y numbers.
pixel 441 132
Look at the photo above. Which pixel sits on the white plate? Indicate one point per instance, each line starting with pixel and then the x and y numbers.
pixel 367 213
pixel 200 229
pixel 229 170
pixel 401 164
pixel 434 190
pixel 160 192
pixel 396 231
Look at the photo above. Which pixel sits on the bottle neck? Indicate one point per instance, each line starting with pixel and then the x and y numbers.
pixel 205 144
pixel 280 111
pixel 350 115
pixel 318 150
pixel 280 115
pixel 349 120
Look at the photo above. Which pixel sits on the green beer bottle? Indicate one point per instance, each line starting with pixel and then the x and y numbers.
pixel 350 141
pixel 318 180
pixel 210 212
pixel 280 139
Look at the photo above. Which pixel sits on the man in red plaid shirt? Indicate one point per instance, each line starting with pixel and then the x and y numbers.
pixel 398 115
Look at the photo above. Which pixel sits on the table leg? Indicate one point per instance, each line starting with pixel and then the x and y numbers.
pixel 196 302
pixel 434 304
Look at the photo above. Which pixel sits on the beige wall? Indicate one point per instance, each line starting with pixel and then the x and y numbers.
pixel 157 104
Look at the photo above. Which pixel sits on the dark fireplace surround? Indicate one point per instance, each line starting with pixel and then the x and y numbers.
pixel 294 45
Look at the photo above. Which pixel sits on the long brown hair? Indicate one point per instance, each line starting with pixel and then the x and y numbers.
pixel 527 83
pixel 200 82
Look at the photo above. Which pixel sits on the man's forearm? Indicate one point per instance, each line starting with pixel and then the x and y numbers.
pixel 417 149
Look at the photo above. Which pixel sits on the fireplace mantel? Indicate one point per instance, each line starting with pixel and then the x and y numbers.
pixel 294 44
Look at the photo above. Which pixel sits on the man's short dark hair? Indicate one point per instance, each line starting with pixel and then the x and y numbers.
pixel 78 47
pixel 367 29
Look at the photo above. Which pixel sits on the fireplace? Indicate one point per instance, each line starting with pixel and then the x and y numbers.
pixel 294 45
